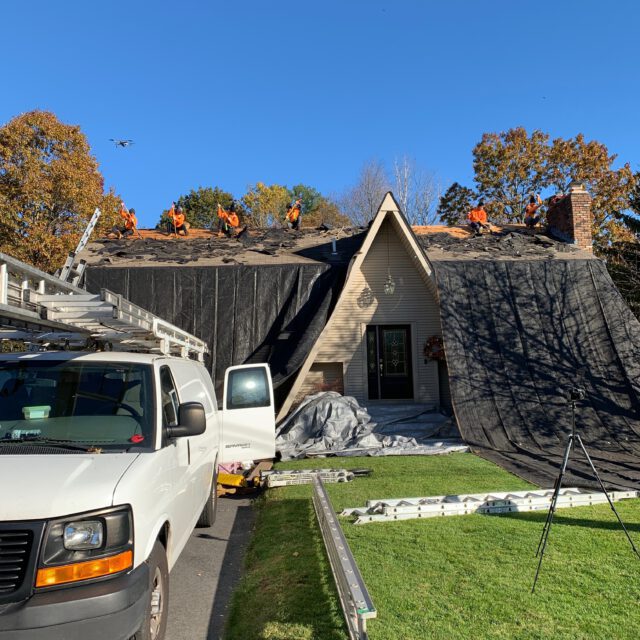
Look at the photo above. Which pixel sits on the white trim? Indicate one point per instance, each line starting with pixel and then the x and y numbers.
pixel 390 207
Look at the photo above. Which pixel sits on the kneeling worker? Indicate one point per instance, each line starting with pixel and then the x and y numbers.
pixel 478 218
pixel 177 217
pixel 293 215
pixel 530 217
pixel 228 221
pixel 130 221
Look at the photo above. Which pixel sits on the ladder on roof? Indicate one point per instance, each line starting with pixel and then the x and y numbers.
pixel 43 310
pixel 73 273
pixel 458 505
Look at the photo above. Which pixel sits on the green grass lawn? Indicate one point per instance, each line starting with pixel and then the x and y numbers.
pixel 453 577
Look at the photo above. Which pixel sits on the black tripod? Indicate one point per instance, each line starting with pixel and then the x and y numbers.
pixel 575 395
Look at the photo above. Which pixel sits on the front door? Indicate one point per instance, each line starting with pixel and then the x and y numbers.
pixel 389 368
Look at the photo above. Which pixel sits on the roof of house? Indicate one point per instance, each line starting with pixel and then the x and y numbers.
pixel 283 246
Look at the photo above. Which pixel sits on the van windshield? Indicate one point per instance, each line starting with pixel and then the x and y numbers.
pixel 94 405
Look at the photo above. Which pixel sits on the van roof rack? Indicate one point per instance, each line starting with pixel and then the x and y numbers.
pixel 44 310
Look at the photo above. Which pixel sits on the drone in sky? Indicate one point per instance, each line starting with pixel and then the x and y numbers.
pixel 121 143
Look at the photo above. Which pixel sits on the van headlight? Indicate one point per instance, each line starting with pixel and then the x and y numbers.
pixel 83 535
pixel 86 546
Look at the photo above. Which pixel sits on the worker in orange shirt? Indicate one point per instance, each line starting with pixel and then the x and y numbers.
pixel 179 220
pixel 130 222
pixel 293 215
pixel 530 217
pixel 478 218
pixel 228 221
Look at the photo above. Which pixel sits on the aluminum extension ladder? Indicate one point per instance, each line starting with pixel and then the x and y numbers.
pixel 465 504
pixel 43 310
pixel 69 272
pixel 288 477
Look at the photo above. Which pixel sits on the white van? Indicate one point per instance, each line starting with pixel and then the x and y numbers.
pixel 107 463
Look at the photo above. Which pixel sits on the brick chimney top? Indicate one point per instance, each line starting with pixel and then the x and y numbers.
pixel 569 217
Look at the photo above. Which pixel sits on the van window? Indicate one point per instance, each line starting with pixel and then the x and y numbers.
pixel 169 398
pixel 248 388
pixel 104 404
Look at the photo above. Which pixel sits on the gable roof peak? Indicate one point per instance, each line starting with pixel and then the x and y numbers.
pixel 389 203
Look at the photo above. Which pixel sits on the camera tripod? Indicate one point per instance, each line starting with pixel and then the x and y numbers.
pixel 573 439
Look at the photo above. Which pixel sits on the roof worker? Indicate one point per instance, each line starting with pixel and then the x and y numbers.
pixel 130 223
pixel 530 217
pixel 478 218
pixel 228 221
pixel 179 220
pixel 293 215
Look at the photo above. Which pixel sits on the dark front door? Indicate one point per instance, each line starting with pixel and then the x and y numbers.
pixel 389 362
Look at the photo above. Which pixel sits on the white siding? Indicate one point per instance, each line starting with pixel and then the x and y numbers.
pixel 364 302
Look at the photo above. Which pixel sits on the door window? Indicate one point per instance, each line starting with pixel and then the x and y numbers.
pixel 248 388
pixel 169 398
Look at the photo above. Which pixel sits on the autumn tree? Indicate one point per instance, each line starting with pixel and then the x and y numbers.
pixel 266 205
pixel 455 204
pixel 360 203
pixel 50 186
pixel 201 207
pixel 416 191
pixel 509 167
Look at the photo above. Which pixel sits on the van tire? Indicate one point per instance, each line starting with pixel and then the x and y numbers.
pixel 158 589
pixel 208 515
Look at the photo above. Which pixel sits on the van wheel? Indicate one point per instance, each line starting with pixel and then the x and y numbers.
pixel 208 515
pixel 154 626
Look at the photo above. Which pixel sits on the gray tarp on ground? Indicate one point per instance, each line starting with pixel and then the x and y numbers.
pixel 329 423
pixel 517 335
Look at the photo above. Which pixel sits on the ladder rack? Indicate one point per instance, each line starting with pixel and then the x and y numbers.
pixel 50 312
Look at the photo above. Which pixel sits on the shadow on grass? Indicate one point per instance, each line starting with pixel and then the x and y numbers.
pixel 569 521
pixel 287 591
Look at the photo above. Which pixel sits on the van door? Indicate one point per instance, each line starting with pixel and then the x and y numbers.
pixel 248 414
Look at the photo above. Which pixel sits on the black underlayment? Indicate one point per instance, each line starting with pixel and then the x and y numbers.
pixel 518 335
pixel 245 314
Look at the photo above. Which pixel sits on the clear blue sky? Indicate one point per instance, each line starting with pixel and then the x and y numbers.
pixel 228 93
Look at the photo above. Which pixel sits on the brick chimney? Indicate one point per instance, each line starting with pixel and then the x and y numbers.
pixel 569 217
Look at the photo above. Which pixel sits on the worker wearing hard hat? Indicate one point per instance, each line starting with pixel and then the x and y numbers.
pixel 228 221
pixel 130 223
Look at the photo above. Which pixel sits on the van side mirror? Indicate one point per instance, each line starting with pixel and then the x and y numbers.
pixel 191 421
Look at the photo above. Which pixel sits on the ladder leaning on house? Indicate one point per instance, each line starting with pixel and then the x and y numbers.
pixel 45 311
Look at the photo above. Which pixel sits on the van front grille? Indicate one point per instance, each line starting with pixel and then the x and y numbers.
pixel 15 548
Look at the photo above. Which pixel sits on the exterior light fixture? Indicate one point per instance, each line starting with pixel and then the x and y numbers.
pixel 389 285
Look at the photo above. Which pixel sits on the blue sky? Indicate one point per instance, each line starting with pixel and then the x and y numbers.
pixel 230 93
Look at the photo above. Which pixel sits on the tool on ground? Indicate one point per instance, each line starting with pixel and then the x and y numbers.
pixel 246 481
pixel 575 395
pixel 388 510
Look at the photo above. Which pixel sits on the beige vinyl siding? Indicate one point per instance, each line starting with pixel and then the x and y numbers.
pixel 364 302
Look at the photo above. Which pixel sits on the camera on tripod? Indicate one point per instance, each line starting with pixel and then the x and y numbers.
pixel 576 393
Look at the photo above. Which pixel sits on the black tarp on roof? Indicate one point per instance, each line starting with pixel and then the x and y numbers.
pixel 517 335
pixel 244 313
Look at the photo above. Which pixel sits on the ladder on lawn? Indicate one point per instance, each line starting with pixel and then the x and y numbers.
pixel 45 312
pixel 288 477
pixel 69 272
pixel 465 504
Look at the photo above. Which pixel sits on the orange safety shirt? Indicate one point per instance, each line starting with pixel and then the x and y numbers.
pixel 530 210
pixel 293 213
pixel 178 218
pixel 222 214
pixel 233 220
pixel 477 214
pixel 130 221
